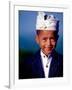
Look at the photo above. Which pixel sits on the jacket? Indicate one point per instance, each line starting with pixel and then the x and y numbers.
pixel 32 67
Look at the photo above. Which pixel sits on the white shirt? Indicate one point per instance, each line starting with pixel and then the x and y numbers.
pixel 46 61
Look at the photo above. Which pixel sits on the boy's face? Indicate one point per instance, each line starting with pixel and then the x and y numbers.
pixel 46 41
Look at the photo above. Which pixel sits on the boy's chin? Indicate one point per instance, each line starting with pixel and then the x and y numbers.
pixel 47 53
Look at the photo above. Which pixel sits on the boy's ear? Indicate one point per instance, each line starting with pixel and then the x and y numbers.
pixel 37 39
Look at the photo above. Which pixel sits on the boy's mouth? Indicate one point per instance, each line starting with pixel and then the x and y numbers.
pixel 50 47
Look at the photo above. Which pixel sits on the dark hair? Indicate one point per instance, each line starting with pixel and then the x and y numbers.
pixel 37 32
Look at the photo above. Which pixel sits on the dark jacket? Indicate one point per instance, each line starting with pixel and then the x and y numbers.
pixel 32 67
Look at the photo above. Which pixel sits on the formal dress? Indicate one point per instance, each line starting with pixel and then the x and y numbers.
pixel 56 67
pixel 33 66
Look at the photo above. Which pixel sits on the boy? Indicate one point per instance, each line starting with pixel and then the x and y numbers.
pixel 47 62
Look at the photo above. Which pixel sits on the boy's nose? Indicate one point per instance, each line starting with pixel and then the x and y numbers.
pixel 48 42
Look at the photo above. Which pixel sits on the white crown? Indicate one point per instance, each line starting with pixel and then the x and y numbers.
pixel 45 22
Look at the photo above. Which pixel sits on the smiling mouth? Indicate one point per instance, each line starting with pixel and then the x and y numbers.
pixel 48 48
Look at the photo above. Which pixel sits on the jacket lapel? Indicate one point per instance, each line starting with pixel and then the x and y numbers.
pixel 37 66
pixel 54 65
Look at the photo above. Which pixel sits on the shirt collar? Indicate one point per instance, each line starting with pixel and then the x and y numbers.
pixel 44 56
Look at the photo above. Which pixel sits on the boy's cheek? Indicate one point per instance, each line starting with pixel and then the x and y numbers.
pixel 54 43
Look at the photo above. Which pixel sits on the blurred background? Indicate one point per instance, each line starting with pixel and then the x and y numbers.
pixel 27 32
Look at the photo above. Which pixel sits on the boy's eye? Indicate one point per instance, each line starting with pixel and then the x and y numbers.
pixel 52 39
pixel 44 38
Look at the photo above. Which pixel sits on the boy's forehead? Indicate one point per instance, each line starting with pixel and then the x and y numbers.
pixel 46 32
